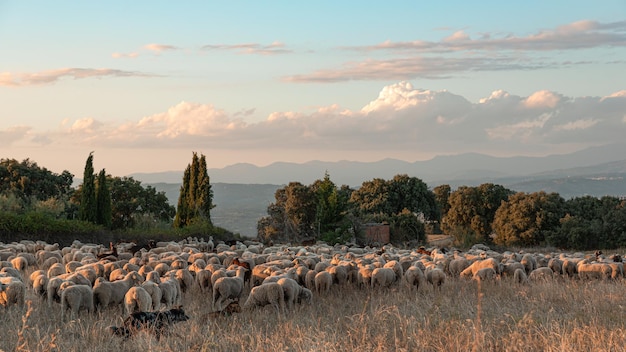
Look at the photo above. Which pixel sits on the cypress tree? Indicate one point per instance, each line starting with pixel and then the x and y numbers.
pixel 205 192
pixel 103 201
pixel 182 211
pixel 88 207
pixel 196 196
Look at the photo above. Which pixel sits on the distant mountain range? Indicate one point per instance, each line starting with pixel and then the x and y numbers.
pixel 242 192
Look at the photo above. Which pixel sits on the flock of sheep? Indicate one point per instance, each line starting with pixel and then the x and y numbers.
pixel 87 277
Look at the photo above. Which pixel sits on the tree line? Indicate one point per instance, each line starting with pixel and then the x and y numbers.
pixel 34 199
pixel 489 214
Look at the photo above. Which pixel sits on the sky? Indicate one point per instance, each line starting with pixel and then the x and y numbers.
pixel 144 84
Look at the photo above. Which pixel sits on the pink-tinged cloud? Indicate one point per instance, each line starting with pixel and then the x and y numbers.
pixel 53 76
pixel 123 55
pixel 459 53
pixel 10 135
pixel 401 118
pixel 251 48
pixel 160 47
pixel 576 35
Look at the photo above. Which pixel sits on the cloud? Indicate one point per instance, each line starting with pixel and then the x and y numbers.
pixel 52 76
pixel 251 48
pixel 160 47
pixel 459 53
pixel 10 135
pixel 575 35
pixel 127 56
pixel 400 120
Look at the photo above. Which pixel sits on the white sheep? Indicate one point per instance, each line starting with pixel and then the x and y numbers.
pixel 485 274
pixel 267 294
pixel 155 293
pixel 294 292
pixel 529 262
pixel 19 263
pixel 12 292
pixel 309 279
pixel 384 277
pixel 541 274
pixel 414 277
pixel 203 280
pixel 435 276
pixel 108 293
pixel 137 299
pixel 171 294
pixel 323 282
pixel 519 276
pixel 75 297
pixel 471 270
pixel 228 288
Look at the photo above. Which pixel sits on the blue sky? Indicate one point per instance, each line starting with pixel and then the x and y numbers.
pixel 145 83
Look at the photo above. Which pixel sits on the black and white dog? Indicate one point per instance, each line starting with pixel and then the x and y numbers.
pixel 156 322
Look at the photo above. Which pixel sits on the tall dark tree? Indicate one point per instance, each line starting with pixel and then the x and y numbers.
pixel 103 201
pixel 88 206
pixel 196 195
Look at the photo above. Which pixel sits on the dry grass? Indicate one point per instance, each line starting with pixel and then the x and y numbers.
pixel 550 316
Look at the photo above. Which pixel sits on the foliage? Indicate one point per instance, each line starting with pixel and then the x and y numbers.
pixel 528 219
pixel 26 182
pixel 42 226
pixel 104 213
pixel 196 196
pixel 88 207
pixel 130 199
pixel 442 195
pixel 471 213
pixel 407 227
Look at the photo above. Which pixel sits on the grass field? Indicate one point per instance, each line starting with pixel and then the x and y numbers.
pixel 562 315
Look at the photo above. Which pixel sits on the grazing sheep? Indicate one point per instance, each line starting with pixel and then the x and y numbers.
pixel 12 292
pixel 268 293
pixel 228 288
pixel 414 277
pixel 203 280
pixel 155 293
pixel 541 274
pixel 397 268
pixel 384 277
pixel 529 262
pixel 588 270
pixel 75 297
pixel 364 276
pixel 39 282
pixel 52 290
pixel 171 294
pixel 108 293
pixel 456 266
pixel 137 299
pixel 509 268
pixel 556 265
pixel 569 267
pixel 435 277
pixel 471 270
pixel 519 276
pixel 485 274
pixel 323 282
pixel 309 279
pixel 294 292
pixel 19 263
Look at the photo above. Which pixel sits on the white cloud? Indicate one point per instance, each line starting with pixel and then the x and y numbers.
pixel 401 119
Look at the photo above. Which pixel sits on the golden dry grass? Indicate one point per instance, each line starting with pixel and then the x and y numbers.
pixel 565 315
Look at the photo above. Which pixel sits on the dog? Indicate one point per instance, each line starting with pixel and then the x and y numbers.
pixel 156 322
pixel 231 308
